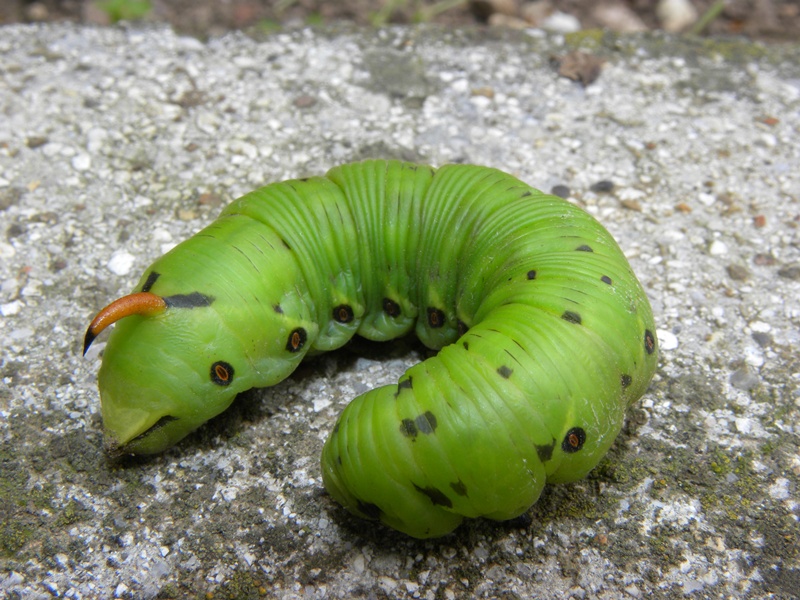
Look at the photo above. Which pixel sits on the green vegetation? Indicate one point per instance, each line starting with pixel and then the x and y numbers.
pixel 125 10
pixel 422 14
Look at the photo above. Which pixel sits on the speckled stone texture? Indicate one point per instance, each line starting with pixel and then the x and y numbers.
pixel 115 144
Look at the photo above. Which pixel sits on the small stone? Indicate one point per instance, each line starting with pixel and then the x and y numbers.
pixel 560 22
pixel 706 198
pixel 11 308
pixel 37 11
pixel 762 339
pixel 769 140
pixel 737 272
pixel 36 141
pixel 780 489
pixel 121 263
pixel 23 333
pixel 676 15
pixel 618 17
pixel 13 579
pixel 718 248
pixel 304 101
pixel 764 260
pixel 790 272
pixel 561 191
pixel 631 205
pixel 753 356
pixel 536 12
pixel 244 148
pixel 666 339
pixel 486 91
pixel 744 379
pixel 602 187
pixel 81 162
pixel 579 66
pixel 483 9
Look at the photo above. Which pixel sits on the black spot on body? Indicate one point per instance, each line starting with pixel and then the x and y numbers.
pixel 286 244
pixel 408 428
pixel 403 385
pixel 368 509
pixel 222 373
pixel 151 279
pixel 461 327
pixel 572 317
pixel 574 440
pixel 649 341
pixel 426 423
pixel 193 300
pixel 436 317
pixel 545 451
pixel 391 308
pixel 525 194
pixel 466 345
pixel 584 248
pixel 625 380
pixel 277 308
pixel 459 488
pixel 436 496
pixel 505 372
pixel 343 313
pixel 606 279
pixel 297 340
pixel 532 274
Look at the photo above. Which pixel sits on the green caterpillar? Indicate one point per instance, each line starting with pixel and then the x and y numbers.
pixel 545 334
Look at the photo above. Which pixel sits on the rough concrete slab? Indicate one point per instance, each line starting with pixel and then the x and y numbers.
pixel 115 144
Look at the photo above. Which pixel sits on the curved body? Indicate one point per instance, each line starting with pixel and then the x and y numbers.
pixel 546 335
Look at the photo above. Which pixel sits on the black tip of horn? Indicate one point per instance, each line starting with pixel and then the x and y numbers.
pixel 87 340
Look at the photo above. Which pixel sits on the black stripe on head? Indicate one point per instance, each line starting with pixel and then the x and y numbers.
pixel 151 279
pixel 193 300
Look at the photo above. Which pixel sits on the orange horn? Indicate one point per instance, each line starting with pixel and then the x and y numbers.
pixel 140 303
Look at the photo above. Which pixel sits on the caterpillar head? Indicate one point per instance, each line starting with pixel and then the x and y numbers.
pixel 168 367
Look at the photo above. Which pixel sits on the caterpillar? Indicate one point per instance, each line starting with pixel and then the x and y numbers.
pixel 544 334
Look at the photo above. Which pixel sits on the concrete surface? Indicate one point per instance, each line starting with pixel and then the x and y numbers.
pixel 117 143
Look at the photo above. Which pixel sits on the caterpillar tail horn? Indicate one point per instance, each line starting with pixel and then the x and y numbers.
pixel 140 303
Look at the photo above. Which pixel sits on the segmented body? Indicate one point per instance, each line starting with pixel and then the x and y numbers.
pixel 546 335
